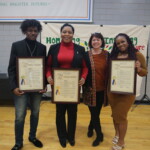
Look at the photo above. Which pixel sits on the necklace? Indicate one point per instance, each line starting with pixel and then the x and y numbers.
pixel 96 52
pixel 122 55
pixel 31 52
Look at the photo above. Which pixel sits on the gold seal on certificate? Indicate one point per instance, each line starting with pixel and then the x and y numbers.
pixel 123 77
pixel 30 73
pixel 66 85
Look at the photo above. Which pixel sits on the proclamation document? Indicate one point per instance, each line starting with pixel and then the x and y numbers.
pixel 30 73
pixel 123 77
pixel 66 85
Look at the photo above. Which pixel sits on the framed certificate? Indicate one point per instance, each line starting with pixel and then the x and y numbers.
pixel 123 77
pixel 66 85
pixel 30 73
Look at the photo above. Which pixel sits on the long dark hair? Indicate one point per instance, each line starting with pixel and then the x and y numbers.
pixel 131 49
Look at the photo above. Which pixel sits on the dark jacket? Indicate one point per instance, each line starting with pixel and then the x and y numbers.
pixel 19 49
pixel 79 55
pixel 89 88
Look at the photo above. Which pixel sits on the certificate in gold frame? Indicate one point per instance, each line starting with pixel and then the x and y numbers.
pixel 30 73
pixel 66 85
pixel 123 76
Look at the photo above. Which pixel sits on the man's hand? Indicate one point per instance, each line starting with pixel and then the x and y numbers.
pixel 17 92
pixel 43 91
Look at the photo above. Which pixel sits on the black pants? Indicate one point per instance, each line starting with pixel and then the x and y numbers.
pixel 63 131
pixel 95 112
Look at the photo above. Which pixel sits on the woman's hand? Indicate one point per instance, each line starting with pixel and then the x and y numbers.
pixel 50 80
pixel 82 81
pixel 138 66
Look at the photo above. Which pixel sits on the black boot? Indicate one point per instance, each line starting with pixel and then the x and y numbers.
pixel 90 129
pixel 62 142
pixel 72 142
pixel 98 139
pixel 101 137
pixel 90 133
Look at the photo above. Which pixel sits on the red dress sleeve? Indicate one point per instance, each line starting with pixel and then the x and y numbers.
pixel 48 67
pixel 84 70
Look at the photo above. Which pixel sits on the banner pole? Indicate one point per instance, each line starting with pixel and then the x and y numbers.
pixel 145 96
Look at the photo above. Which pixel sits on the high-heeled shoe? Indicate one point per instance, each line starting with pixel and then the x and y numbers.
pixel 115 140
pixel 117 147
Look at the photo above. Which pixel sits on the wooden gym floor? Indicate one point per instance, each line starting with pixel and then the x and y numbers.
pixel 138 134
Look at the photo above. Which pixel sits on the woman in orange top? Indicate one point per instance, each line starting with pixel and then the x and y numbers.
pixel 94 87
pixel 123 48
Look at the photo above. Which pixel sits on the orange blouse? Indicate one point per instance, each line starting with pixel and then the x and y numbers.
pixel 100 64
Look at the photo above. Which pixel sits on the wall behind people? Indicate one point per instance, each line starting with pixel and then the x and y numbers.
pixel 9 33
pixel 105 12
pixel 119 12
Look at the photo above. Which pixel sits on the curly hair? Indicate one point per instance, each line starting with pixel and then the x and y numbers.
pixel 131 49
pixel 30 23
pixel 67 25
pixel 97 35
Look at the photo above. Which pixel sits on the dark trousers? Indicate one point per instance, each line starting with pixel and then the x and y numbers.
pixel 95 113
pixel 21 103
pixel 66 131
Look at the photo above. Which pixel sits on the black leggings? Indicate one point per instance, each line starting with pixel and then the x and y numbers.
pixel 95 112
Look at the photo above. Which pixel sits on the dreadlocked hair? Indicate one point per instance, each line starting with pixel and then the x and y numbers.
pixel 30 23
